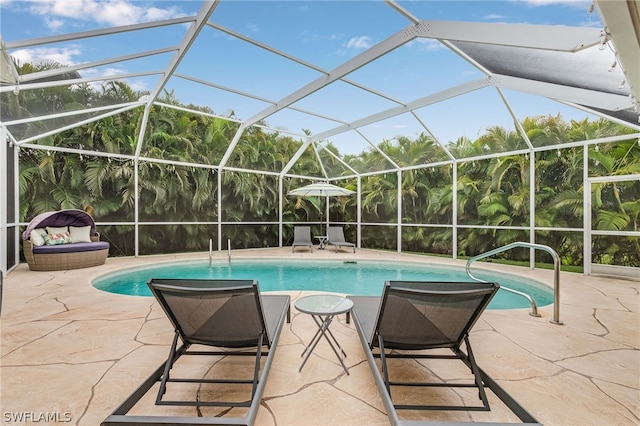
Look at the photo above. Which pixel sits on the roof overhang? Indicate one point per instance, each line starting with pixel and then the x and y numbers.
pixel 622 22
pixel 8 72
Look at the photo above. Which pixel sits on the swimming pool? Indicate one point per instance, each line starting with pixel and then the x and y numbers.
pixel 361 277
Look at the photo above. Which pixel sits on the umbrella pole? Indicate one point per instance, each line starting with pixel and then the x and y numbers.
pixel 327 215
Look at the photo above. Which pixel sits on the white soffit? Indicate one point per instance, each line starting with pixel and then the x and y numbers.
pixel 622 22
pixel 545 37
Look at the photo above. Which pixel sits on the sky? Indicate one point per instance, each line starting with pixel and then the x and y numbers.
pixel 322 33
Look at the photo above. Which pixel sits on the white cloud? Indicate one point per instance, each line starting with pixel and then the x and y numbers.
pixel 109 12
pixel 104 75
pixel 63 55
pixel 309 36
pixel 426 44
pixel 577 3
pixel 362 42
pixel 111 73
pixel 53 24
pixel 493 16
pixel 154 13
pixel 595 23
pixel 77 9
pixel 107 72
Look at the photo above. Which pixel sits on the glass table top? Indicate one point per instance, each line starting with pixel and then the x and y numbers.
pixel 323 304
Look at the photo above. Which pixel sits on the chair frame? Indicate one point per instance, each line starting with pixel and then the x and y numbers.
pixel 162 373
pixel 307 243
pixel 481 379
pixel 340 242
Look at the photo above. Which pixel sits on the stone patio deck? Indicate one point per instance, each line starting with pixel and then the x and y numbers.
pixel 75 353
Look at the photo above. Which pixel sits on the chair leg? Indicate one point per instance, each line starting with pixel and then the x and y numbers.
pixel 165 377
pixel 256 368
pixel 476 373
pixel 167 368
pixel 385 369
pixel 467 358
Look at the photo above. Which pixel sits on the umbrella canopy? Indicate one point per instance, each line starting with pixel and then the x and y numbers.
pixel 320 189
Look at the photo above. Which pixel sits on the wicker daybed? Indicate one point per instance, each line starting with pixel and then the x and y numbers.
pixel 48 249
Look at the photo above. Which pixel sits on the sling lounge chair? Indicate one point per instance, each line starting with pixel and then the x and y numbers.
pixel 335 237
pixel 419 316
pixel 230 314
pixel 301 237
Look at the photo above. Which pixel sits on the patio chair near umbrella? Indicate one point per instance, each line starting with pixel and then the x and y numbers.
pixel 320 189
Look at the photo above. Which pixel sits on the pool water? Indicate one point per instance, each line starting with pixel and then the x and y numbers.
pixel 359 278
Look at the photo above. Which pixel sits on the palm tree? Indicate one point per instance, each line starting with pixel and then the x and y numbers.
pixel 492 192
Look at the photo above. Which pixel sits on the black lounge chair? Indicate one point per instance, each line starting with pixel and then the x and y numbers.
pixel 335 237
pixel 302 237
pixel 229 314
pixel 417 316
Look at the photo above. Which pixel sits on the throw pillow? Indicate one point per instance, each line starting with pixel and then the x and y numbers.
pixel 57 239
pixel 80 234
pixel 57 229
pixel 36 236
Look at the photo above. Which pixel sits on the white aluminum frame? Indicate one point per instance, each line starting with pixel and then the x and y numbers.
pixel 564 39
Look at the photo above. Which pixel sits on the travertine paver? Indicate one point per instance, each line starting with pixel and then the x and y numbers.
pixel 74 353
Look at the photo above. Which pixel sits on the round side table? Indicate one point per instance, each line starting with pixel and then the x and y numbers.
pixel 322 308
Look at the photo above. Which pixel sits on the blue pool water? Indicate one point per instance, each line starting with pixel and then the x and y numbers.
pixel 361 278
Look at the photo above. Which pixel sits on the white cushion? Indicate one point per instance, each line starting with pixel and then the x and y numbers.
pixel 51 230
pixel 36 236
pixel 80 234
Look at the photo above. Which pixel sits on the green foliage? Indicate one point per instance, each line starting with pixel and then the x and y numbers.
pixel 490 192
pixel 611 221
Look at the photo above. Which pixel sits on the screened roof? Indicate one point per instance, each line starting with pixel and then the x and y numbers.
pixel 349 74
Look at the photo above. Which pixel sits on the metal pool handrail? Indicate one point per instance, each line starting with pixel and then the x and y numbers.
pixel 556 276
pixel 211 250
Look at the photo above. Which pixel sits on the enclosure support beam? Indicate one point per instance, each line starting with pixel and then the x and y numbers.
pixel 586 216
pixel 394 41
pixel 532 208
pixel 399 213
pixel 359 211
pixel 280 207
pixel 454 210
pixel 219 218
pixel 4 142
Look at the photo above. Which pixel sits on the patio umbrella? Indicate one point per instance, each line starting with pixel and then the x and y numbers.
pixel 320 189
